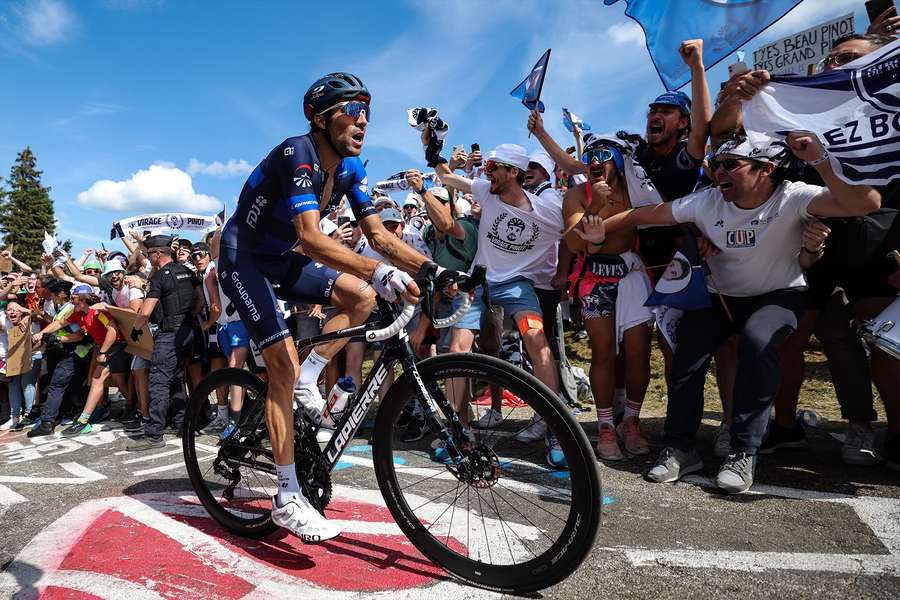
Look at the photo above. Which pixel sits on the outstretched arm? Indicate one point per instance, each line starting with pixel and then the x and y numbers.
pixel 840 199
pixel 560 157
pixel 701 106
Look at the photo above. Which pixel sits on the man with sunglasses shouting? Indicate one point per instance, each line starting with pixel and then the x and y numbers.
pixel 757 221
pixel 273 239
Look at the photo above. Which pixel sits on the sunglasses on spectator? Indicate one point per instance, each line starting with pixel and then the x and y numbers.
pixel 601 154
pixel 838 60
pixel 353 108
pixel 91 271
pixel 198 255
pixel 491 166
pixel 729 164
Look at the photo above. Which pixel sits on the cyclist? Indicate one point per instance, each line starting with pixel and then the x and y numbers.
pixel 273 240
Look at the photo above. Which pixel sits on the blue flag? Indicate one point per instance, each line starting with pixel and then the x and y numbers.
pixel 571 120
pixel 529 91
pixel 724 25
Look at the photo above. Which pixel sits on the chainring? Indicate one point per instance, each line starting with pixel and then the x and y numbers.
pixel 312 471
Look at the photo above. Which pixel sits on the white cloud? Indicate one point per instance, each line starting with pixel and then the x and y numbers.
pixel 233 168
pixel 45 22
pixel 627 33
pixel 160 187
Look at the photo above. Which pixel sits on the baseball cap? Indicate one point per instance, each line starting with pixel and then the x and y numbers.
pixel 389 215
pixel 411 200
pixel 679 99
pixel 441 194
pixel 82 288
pixel 773 151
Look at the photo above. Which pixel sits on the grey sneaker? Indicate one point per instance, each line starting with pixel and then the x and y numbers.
pixel 722 441
pixel 736 474
pixel 859 446
pixel 674 464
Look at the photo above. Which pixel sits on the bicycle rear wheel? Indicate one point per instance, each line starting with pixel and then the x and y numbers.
pixel 497 516
pixel 236 495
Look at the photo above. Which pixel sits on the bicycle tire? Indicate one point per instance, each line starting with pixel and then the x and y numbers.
pixel 581 526
pixel 251 526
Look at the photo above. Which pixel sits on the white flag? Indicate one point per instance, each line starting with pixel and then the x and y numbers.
pixel 855 111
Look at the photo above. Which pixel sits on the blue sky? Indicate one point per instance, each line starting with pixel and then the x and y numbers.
pixel 136 106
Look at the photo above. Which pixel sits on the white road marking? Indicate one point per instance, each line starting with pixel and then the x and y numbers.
pixel 178 465
pixel 881 515
pixel 9 497
pixel 147 457
pixel 82 475
pixel 442 474
pixel 100 585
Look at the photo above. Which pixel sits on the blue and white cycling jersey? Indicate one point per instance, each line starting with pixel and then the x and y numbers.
pixel 288 182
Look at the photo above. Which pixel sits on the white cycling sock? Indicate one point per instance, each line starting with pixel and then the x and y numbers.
pixel 311 368
pixel 288 485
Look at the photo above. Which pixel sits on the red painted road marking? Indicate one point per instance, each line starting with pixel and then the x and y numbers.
pixel 165 546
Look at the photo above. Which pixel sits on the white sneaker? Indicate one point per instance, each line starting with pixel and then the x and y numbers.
pixel 535 431
pixel 309 398
pixel 490 419
pixel 859 446
pixel 9 424
pixel 300 518
pixel 722 441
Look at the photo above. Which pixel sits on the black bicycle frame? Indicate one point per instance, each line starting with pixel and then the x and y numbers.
pixel 397 348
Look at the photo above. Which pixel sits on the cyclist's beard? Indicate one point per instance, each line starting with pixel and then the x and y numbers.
pixel 346 142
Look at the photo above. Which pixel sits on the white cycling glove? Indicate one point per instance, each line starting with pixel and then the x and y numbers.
pixel 389 281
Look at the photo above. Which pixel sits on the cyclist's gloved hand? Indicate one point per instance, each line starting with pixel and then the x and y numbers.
pixel 390 282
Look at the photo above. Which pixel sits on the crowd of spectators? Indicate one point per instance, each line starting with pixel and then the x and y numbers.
pixel 553 226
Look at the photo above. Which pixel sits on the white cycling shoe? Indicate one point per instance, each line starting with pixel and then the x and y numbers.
pixel 300 518
pixel 309 398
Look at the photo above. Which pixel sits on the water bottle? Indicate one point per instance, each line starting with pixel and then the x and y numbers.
pixel 337 401
pixel 808 418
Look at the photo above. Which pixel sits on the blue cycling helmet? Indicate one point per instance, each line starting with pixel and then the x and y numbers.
pixel 332 89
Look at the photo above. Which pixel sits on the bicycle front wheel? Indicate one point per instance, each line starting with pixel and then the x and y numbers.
pixel 234 477
pixel 497 513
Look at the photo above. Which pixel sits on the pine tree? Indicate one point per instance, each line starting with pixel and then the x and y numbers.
pixel 26 210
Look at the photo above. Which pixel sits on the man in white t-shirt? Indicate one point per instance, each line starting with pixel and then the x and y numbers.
pixel 516 232
pixel 756 220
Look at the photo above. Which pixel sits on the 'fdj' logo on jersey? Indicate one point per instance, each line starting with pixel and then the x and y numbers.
pixel 740 238
pixel 303 176
pixel 255 208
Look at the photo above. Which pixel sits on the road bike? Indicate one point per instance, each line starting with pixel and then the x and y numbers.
pixel 481 504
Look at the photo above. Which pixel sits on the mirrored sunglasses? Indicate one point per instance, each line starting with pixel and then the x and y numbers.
pixel 600 154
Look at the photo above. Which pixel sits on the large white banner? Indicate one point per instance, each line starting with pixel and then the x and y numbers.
pixel 165 222
pixel 854 110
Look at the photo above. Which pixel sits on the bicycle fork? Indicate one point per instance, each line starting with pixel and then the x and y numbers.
pixel 427 398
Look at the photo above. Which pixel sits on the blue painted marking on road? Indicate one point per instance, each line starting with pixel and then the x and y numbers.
pixel 607 500
pixel 362 449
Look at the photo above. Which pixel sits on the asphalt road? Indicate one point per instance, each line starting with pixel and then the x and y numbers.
pixel 82 518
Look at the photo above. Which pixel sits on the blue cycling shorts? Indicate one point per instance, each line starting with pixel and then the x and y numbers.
pixel 253 281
